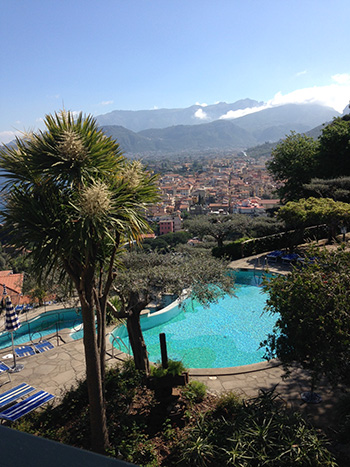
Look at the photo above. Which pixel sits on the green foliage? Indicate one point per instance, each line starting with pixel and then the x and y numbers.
pixel 335 188
pixel 254 246
pixel 313 327
pixel 316 211
pixel 342 412
pixel 233 250
pixel 299 159
pixel 257 433
pixel 110 312
pixel 167 242
pixel 72 199
pixel 334 153
pixel 194 391
pixel 218 227
pixel 262 226
pixel 293 164
pixel 228 404
pixel 175 368
pixel 151 274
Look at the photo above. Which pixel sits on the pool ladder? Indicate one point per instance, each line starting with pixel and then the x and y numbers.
pixel 120 343
pixel 257 280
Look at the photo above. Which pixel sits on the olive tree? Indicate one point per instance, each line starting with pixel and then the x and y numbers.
pixel 219 227
pixel 315 211
pixel 146 276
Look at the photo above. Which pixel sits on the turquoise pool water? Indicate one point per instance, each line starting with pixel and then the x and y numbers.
pixel 41 326
pixel 225 334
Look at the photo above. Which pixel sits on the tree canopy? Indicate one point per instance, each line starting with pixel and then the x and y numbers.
pixel 334 151
pixel 313 326
pixel 315 211
pixel 218 227
pixel 298 159
pixel 335 188
pixel 293 164
pixel 145 277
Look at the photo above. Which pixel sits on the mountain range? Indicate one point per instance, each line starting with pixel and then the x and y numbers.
pixel 203 128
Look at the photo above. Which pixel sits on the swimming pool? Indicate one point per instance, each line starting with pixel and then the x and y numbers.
pixel 225 334
pixel 42 325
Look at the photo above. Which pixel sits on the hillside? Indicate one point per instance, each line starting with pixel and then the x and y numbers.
pixel 266 126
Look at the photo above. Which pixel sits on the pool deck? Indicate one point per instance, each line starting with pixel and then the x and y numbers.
pixel 59 369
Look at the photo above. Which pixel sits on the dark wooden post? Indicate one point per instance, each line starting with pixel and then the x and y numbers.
pixel 163 350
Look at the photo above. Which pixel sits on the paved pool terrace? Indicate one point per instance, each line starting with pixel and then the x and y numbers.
pixel 59 369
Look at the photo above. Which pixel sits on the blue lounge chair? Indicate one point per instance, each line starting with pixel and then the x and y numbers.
pixel 43 346
pixel 290 258
pixel 27 405
pixel 24 351
pixel 14 394
pixel 5 369
pixel 274 255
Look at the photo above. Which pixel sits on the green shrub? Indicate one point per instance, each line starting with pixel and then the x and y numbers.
pixel 342 411
pixel 228 404
pixel 195 391
pixel 259 432
pixel 175 368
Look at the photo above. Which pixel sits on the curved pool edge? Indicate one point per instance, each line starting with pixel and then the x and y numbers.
pixel 235 370
pixel 229 371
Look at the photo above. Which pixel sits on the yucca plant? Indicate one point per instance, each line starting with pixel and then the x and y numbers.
pixel 72 199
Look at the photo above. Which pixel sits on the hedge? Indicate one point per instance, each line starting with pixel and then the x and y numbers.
pixel 242 248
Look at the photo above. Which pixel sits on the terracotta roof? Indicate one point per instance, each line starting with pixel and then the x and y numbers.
pixel 5 273
pixel 13 282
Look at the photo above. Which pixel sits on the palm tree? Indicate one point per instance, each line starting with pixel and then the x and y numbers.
pixel 72 199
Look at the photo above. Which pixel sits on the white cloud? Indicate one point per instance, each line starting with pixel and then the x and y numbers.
pixel 201 114
pixel 341 78
pixel 301 73
pixel 335 95
pixel 202 105
pixel 106 103
pixel 242 112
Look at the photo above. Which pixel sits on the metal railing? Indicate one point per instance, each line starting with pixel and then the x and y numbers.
pixel 120 343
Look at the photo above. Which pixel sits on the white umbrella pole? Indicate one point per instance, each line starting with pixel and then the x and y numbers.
pixel 13 352
pixel 16 368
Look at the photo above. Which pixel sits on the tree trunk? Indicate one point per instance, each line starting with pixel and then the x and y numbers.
pixel 97 408
pixel 220 242
pixel 137 342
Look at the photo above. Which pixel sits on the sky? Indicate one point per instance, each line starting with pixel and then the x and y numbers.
pixel 99 56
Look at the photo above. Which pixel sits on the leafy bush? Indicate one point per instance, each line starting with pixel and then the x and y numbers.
pixel 342 411
pixel 248 247
pixel 228 404
pixel 175 368
pixel 257 433
pixel 195 391
pixel 260 432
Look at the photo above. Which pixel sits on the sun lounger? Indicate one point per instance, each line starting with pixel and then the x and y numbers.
pixel 290 258
pixel 5 369
pixel 14 394
pixel 26 406
pixel 24 351
pixel 43 346
pixel 274 255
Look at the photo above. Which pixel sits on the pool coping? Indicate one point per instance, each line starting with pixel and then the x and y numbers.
pixel 235 370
